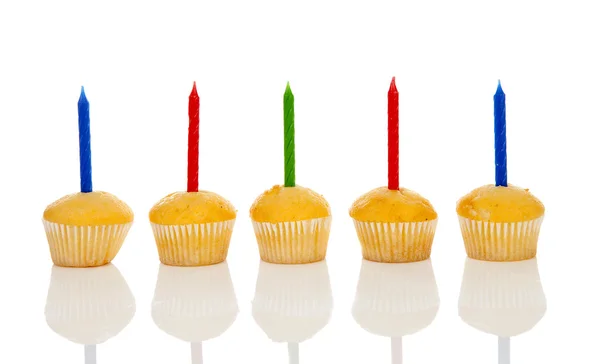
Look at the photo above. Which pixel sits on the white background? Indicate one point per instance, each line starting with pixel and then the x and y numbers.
pixel 138 59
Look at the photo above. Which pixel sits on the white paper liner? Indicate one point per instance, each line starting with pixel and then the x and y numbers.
pixel 84 246
pixel 502 298
pixel 194 304
pixel 88 306
pixel 497 241
pixel 396 242
pixel 295 242
pixel 193 244
pixel 394 300
pixel 292 302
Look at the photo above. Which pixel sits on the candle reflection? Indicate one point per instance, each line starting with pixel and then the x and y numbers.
pixel 88 305
pixel 292 302
pixel 194 304
pixel 396 300
pixel 502 299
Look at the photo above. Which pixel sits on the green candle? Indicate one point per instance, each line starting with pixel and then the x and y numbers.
pixel 289 151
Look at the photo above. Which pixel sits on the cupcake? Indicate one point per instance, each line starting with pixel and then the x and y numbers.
pixel 88 306
pixel 500 222
pixel 393 223
pixel 502 299
pixel 291 223
pixel 192 228
pixel 394 226
pixel 86 229
pixel 194 304
pixel 292 302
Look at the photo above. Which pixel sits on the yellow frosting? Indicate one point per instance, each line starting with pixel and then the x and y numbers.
pixel 280 204
pixel 89 209
pixel 500 204
pixel 182 208
pixel 385 205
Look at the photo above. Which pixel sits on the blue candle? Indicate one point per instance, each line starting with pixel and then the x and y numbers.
pixel 85 149
pixel 500 136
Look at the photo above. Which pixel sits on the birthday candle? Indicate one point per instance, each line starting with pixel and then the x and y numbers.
pixel 288 138
pixel 85 149
pixel 393 138
pixel 193 140
pixel 500 136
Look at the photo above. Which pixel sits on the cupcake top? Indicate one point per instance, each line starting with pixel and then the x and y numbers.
pixel 385 205
pixel 85 209
pixel 281 204
pixel 182 208
pixel 500 204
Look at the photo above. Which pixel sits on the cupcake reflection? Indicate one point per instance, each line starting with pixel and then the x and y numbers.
pixel 89 305
pixel 194 304
pixel 292 302
pixel 395 300
pixel 502 299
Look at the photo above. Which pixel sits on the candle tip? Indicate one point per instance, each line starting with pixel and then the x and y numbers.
pixel 393 85
pixel 499 89
pixel 82 97
pixel 194 92
pixel 288 88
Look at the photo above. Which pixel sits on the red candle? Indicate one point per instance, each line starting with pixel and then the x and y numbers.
pixel 393 137
pixel 193 140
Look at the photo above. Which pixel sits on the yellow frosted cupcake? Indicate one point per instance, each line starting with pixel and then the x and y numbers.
pixel 291 225
pixel 394 226
pixel 500 223
pixel 86 229
pixel 192 228
pixel 393 223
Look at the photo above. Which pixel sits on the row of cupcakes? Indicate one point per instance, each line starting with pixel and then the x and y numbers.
pixel 293 302
pixel 499 222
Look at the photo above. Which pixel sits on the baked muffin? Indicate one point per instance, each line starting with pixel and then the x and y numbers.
pixel 86 229
pixel 291 225
pixel 192 228
pixel 394 226
pixel 500 223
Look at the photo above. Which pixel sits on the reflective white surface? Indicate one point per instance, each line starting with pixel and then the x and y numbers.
pixel 394 315
pixel 340 309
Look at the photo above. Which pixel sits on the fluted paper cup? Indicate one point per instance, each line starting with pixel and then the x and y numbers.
pixel 193 244
pixel 292 302
pixel 194 304
pixel 504 299
pixel 500 241
pixel 395 300
pixel 294 242
pixel 84 246
pixel 396 242
pixel 88 306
